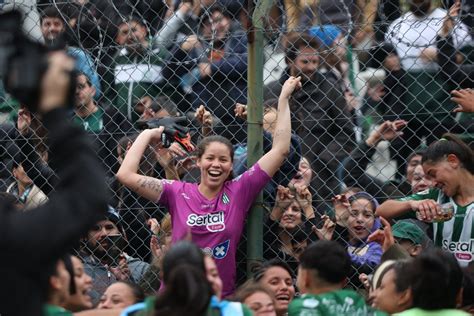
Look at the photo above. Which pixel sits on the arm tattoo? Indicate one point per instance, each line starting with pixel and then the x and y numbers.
pixel 278 133
pixel 152 184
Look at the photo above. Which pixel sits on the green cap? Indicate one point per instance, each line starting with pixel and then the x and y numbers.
pixel 408 230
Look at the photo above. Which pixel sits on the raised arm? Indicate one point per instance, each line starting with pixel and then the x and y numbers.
pixel 393 208
pixel 273 159
pixel 148 187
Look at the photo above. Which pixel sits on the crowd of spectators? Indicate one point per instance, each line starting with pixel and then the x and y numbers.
pixel 367 172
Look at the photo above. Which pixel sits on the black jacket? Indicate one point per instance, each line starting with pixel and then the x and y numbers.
pixel 31 242
pixel 459 76
pixel 354 175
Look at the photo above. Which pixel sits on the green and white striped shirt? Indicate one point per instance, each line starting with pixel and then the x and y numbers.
pixel 455 235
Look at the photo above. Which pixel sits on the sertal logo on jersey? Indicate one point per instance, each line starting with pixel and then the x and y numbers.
pixel 214 222
pixel 462 250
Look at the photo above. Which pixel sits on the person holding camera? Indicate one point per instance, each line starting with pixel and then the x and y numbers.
pixel 32 242
pixel 104 256
pixel 213 211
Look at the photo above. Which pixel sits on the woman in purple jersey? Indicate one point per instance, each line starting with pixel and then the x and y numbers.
pixel 214 210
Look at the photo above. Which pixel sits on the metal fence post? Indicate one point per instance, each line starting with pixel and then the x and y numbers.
pixel 254 119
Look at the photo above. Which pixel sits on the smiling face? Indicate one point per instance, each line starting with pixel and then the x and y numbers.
pixel 81 300
pixel 216 166
pixel 419 181
pixel 279 282
pixel 261 304
pixel 96 241
pixel 361 219
pixel 443 175
pixel 291 217
pixel 303 176
pixel 411 165
pixel 305 64
pixel 132 35
pixel 51 27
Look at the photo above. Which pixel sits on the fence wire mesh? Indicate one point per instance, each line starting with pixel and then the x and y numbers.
pixel 376 76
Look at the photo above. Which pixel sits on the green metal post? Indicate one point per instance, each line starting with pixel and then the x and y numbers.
pixel 258 14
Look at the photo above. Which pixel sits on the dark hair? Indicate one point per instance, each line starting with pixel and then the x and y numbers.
pixel 402 281
pixel 163 102
pixel 450 144
pixel 184 252
pixel 221 9
pixel 206 141
pixel 132 18
pixel 299 234
pixel 248 289
pixel 52 270
pixel 328 259
pixel 419 152
pixel 88 81
pixel 137 291
pixel 187 290
pixel 51 12
pixel 8 199
pixel 436 279
pixel 468 287
pixel 364 195
pixel 296 42
pixel 379 53
pixel 260 270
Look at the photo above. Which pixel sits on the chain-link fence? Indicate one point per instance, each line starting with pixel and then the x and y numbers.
pixel 376 83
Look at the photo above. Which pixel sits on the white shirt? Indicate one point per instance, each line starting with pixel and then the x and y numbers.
pixel 410 34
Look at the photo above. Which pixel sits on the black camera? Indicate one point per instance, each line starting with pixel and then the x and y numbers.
pixel 23 62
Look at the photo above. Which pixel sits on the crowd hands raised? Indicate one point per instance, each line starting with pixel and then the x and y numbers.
pixel 338 240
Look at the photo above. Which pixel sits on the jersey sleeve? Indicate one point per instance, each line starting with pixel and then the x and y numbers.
pixel 423 195
pixel 168 192
pixel 249 184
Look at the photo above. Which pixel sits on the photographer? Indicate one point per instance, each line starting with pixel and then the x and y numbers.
pixel 104 256
pixel 32 242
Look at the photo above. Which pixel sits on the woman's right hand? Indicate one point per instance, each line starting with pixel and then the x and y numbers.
pixel 428 209
pixel 341 208
pixel 384 236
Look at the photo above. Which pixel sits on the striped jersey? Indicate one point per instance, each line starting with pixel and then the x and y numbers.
pixel 455 235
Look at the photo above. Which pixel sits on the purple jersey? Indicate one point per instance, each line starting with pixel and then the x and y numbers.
pixel 216 225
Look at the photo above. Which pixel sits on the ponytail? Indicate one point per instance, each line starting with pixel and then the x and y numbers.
pixel 447 145
pixel 187 292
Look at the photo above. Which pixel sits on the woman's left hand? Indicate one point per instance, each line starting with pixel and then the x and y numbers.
pixel 290 86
